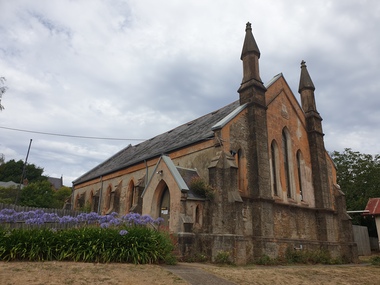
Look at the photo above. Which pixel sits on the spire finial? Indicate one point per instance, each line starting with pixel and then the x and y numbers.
pixel 305 79
pixel 249 45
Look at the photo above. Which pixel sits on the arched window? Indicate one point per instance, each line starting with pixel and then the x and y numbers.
pixel 300 172
pixel 130 196
pixel 197 214
pixel 198 217
pixel 80 201
pixel 274 168
pixel 286 160
pixel 108 201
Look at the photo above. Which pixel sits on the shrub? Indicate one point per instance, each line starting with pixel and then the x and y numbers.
pixel 309 257
pixel 375 260
pixel 223 257
pixel 266 260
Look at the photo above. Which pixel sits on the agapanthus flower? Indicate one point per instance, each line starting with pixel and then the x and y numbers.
pixel 123 232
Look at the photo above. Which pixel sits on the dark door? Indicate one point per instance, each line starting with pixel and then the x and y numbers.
pixel 165 207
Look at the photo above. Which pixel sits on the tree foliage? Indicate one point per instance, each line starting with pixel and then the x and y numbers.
pixel 60 196
pixel 8 195
pixel 38 194
pixel 358 175
pixel 12 171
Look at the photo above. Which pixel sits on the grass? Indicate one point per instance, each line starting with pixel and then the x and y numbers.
pixel 78 273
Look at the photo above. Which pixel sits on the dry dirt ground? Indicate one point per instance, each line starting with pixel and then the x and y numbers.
pixel 70 273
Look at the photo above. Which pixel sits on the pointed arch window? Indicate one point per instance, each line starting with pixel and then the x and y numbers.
pixel 198 216
pixel 94 198
pixel 286 161
pixel 109 197
pixel 80 201
pixel 274 168
pixel 130 196
pixel 300 165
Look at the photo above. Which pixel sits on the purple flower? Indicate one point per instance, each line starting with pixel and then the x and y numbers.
pixel 123 232
pixel 158 221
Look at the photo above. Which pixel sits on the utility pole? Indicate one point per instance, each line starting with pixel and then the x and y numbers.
pixel 23 172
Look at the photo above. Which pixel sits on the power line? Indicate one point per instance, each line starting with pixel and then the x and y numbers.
pixel 70 136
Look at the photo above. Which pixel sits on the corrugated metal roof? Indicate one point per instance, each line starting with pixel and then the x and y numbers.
pixel 373 206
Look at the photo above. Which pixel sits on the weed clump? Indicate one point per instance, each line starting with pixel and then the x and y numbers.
pixel 223 257
pixel 201 188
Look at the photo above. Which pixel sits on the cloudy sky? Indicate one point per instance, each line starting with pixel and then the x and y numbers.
pixel 132 69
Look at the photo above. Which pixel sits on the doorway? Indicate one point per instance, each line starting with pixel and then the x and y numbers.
pixel 165 207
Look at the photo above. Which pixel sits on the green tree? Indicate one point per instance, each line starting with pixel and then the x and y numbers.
pixel 38 194
pixel 358 175
pixel 12 171
pixel 8 195
pixel 60 196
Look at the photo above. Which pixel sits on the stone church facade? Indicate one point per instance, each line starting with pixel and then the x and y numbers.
pixel 262 158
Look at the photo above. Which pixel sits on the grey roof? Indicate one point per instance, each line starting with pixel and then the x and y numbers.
pixel 9 184
pixel 55 182
pixel 192 132
pixel 198 130
pixel 228 118
pixel 187 175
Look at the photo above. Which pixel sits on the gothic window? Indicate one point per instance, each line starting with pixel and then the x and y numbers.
pixel 274 168
pixel 299 172
pixel 286 161
pixel 80 201
pixel 108 199
pixel 197 214
pixel 94 201
pixel 130 196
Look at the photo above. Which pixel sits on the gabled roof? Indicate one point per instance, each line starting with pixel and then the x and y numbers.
pixel 187 134
pixel 173 171
pixel 198 130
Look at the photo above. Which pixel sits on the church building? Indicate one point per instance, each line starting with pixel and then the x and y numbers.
pixel 252 179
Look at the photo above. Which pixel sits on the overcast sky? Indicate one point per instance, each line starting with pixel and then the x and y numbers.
pixel 134 69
